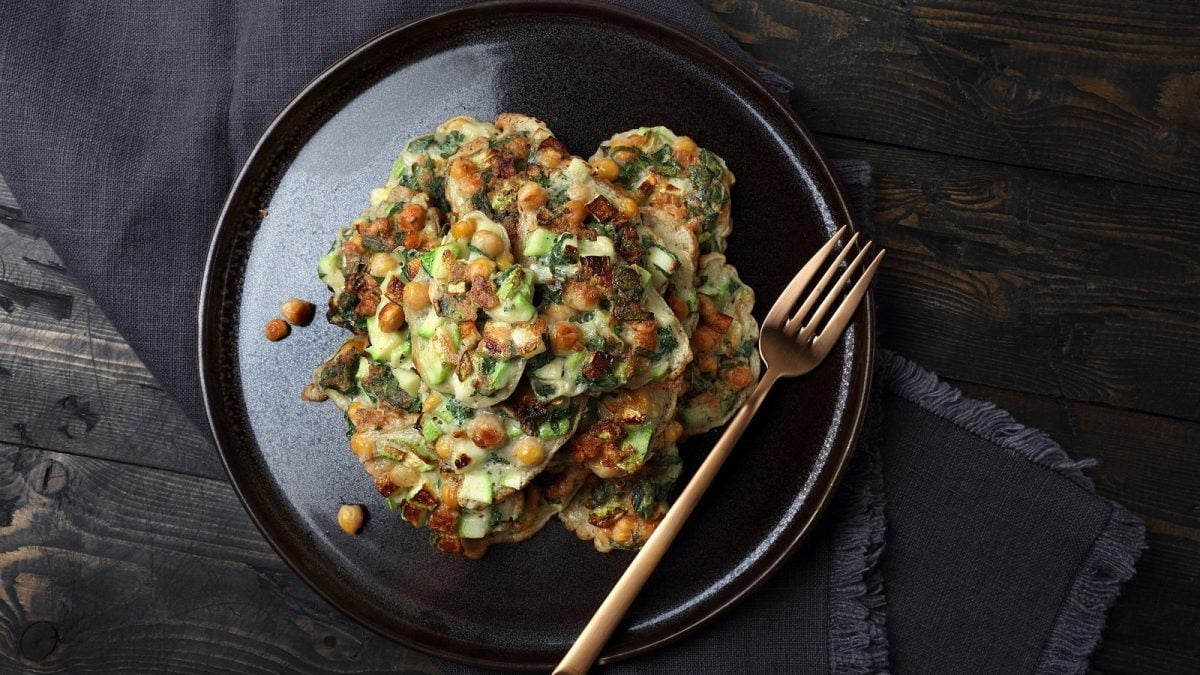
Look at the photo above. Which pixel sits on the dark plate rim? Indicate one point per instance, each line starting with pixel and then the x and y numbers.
pixel 226 231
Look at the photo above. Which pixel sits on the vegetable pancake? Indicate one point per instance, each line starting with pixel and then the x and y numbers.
pixel 532 333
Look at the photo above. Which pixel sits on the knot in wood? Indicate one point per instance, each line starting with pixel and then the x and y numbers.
pixel 38 640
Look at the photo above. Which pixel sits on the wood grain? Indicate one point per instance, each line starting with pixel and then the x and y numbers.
pixel 1039 282
pixel 1148 463
pixel 69 381
pixel 1105 88
pixel 106 567
pixel 1067 296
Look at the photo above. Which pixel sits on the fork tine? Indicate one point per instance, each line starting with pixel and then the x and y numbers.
pixel 779 311
pixel 810 327
pixel 797 320
pixel 841 318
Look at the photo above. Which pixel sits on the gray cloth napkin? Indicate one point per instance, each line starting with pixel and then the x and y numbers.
pixel 122 128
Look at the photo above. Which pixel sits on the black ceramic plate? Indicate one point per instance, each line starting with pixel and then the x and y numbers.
pixel 588 71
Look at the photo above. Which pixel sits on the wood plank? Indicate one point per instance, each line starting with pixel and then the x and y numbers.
pixel 1148 464
pixel 112 568
pixel 1103 88
pixel 1030 280
pixel 70 382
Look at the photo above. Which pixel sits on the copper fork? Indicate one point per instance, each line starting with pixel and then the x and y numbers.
pixel 793 340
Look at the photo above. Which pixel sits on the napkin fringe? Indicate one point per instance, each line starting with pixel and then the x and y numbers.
pixel 981 418
pixel 1109 563
pixel 1084 612
pixel 857 626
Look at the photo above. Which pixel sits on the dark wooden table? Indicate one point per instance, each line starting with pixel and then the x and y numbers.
pixel 1038 176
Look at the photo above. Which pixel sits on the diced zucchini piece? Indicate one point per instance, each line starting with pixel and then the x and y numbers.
pixel 663 260
pixel 431 368
pixel 539 242
pixel 659 369
pixel 435 263
pixel 364 366
pixel 511 478
pixel 429 325
pixel 507 509
pixel 451 330
pixel 575 362
pixel 512 428
pixel 476 487
pixel 637 439
pixel 382 343
pixel 409 380
pixel 601 247
pixel 555 428
pixel 430 429
pixel 551 371
pixel 500 373
pixel 330 263
pixel 473 524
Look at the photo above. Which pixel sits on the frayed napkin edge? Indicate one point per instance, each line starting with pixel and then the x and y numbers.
pixel 1110 562
pixel 858 605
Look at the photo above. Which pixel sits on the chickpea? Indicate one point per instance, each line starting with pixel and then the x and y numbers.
pixel 297 312
pixel 606 169
pixel 352 410
pixel 558 312
pixel 549 158
pixel 576 212
pixel 416 295
pixel 456 122
pixel 352 345
pixel 704 339
pixel 518 146
pixel 684 144
pixel 678 306
pixel 362 446
pixel 706 362
pixel 706 305
pixel 625 155
pixel 738 377
pixel 378 466
pixel 461 168
pixel 673 431
pixel 276 330
pixel 350 518
pixel 636 140
pixel 581 296
pixel 529 451
pixel 531 197
pixel 463 229
pixel 381 263
pixel 391 318
pixel 566 337
pixel 449 495
pixel 487 431
pixel 403 476
pixel 412 217
pixel 488 242
pixel 480 267
pixel 444 446
pixel 505 260
pixel 431 402
pixel 685 150
pixel 623 530
pixel 628 207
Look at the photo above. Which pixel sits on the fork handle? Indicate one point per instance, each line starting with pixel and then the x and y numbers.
pixel 593 638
